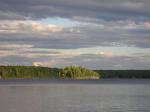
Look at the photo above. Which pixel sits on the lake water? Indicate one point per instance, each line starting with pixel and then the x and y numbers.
pixel 110 95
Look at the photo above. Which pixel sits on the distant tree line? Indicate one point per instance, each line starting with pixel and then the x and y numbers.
pixel 28 72
pixel 71 72
pixel 124 73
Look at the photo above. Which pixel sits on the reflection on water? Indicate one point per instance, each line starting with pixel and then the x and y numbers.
pixel 75 98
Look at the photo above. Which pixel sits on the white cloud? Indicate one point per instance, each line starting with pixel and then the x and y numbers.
pixel 13 46
pixel 49 63
pixel 26 27
pixel 106 54
pixel 37 64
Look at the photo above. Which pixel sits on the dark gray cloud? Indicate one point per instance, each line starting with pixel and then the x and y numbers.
pixel 100 9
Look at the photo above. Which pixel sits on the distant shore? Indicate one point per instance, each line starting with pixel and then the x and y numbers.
pixel 32 72
pixel 74 81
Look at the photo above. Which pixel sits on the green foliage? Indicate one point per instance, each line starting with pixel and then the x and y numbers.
pixel 72 72
pixel 124 73
pixel 75 72
pixel 28 72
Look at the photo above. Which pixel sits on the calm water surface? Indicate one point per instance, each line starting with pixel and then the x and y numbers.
pixel 75 96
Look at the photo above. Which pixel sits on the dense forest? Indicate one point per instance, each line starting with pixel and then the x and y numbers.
pixel 71 72
pixel 28 72
pixel 124 73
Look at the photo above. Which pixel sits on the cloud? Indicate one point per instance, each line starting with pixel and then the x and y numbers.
pixel 119 33
pixel 25 38
pixel 30 52
pixel 100 9
pixel 121 23
pixel 95 61
pixel 50 63
pixel 100 60
pixel 15 46
pixel 15 60
pixel 13 49
pixel 25 27
pixel 105 54
pixel 37 64
pixel 116 62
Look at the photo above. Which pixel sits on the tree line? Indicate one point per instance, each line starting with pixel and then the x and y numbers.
pixel 124 73
pixel 71 72
pixel 28 72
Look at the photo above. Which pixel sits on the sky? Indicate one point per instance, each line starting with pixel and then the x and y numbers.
pixel 97 34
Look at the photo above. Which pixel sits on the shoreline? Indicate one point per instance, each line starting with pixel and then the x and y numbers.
pixel 74 81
